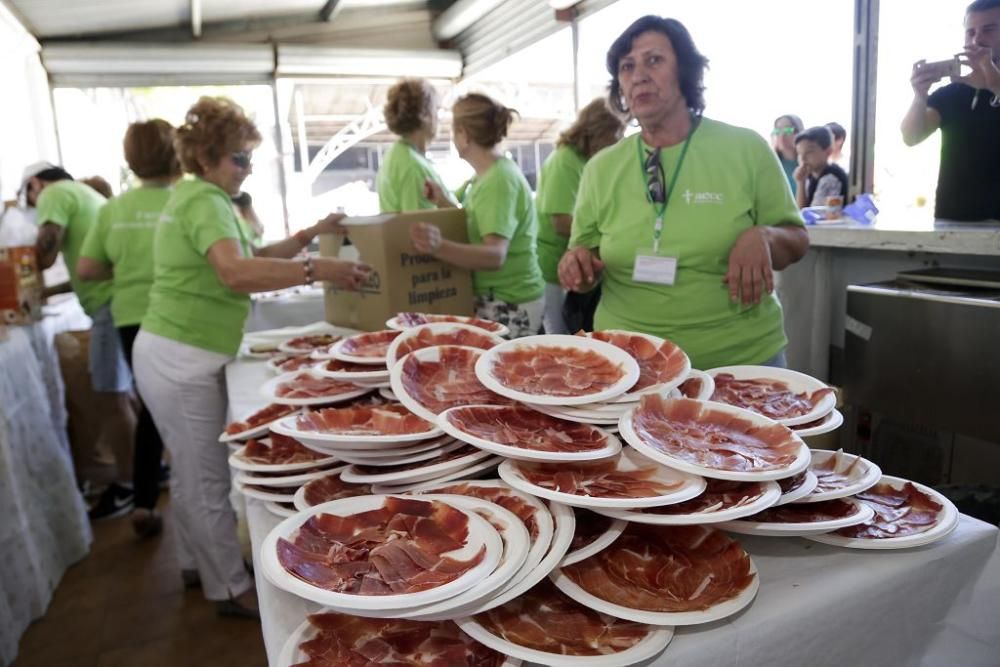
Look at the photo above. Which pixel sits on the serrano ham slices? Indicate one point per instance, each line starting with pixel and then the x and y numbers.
pixel 802 519
pixel 309 388
pixel 662 364
pixel 364 348
pixel 278 450
pixel 409 320
pixel 365 420
pixel 777 393
pixel 305 344
pixel 327 488
pixel 256 423
pixel 721 501
pixel 432 335
pixel 840 475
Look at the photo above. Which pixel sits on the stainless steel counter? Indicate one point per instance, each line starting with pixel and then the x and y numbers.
pixel 903 233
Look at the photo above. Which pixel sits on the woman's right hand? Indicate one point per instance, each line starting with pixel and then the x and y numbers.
pixel 580 269
pixel 341 273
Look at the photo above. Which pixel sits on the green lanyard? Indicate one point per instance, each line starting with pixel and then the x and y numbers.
pixel 662 208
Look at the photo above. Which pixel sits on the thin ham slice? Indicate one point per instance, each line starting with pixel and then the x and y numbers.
pixel 589 527
pixel 519 426
pixel 310 343
pixel 771 398
pixel 666 569
pixel 691 388
pixel 658 364
pixel 427 338
pixel 555 370
pixel 545 619
pixel 392 419
pixel 331 487
pixel 307 385
pixel 836 472
pixel 338 366
pixel 898 512
pixel 410 320
pixel 789 484
pixel 371 345
pixel 826 510
pixel 506 498
pixel 719 495
pixel 695 432
pixel 597 479
pixel 281 450
pixel 448 382
pixel 265 415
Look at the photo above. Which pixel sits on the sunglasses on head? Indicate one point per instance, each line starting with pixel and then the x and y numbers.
pixel 778 131
pixel 655 186
pixel 241 159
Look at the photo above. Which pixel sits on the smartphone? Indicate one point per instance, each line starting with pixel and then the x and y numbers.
pixel 941 68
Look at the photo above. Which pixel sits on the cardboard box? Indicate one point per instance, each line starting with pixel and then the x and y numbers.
pixel 20 286
pixel 402 279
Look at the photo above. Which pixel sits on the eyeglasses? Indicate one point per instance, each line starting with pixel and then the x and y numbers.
pixel 241 159
pixel 778 131
pixel 655 186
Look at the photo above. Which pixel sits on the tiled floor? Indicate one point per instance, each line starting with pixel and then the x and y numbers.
pixel 125 606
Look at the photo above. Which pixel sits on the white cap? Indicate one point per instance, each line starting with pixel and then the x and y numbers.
pixel 33 170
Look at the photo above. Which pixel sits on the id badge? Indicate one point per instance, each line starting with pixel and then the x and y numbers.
pixel 655 268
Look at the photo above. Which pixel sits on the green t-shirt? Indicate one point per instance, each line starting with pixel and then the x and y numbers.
pixel 557 187
pixel 730 181
pixel 74 207
pixel 188 303
pixel 500 203
pixel 123 239
pixel 400 181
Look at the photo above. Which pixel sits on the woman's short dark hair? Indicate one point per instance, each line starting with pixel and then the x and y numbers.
pixel 53 175
pixel 691 64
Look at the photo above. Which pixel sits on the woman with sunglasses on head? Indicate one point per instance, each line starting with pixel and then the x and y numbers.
pixel 204 271
pixel 786 128
pixel 502 224
pixel 685 222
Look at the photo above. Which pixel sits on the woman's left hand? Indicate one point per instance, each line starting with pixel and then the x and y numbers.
pixel 426 237
pixel 330 224
pixel 750 276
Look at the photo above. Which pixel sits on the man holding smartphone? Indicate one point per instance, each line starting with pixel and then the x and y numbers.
pixel 967 111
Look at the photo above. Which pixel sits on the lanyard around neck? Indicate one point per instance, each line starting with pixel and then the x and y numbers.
pixel 661 208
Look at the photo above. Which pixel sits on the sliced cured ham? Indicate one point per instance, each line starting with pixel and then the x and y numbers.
pixel 555 370
pixel 396 549
pixel 719 495
pixel 519 426
pixel 369 345
pixel 790 484
pixel 658 364
pixel 427 338
pixel 448 382
pixel 306 344
pixel 331 487
pixel 352 641
pixel 286 363
pixel 836 472
pixel 338 366
pixel 266 415
pixel 598 479
pixel 409 320
pixel 281 450
pixel 391 419
pixel 691 388
pixel 545 619
pixel 826 510
pixel 898 512
pixel 456 453
pixel 307 385
pixel 589 527
pixel 694 432
pixel 771 398
pixel 665 569
pixel 506 498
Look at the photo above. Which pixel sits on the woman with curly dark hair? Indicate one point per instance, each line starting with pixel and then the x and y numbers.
pixel 410 111
pixel 685 222
pixel 204 271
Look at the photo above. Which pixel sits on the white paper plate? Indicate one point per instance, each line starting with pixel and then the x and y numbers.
pixel 799 492
pixel 611 446
pixel 661 387
pixel 426 355
pixel 321 439
pixel 467 473
pixel 947 522
pixel 713 613
pixel 237 462
pixel 797 382
pixel 863 477
pixel 581 416
pixel 616 355
pixel 293 480
pixel 494 327
pixel 276 495
pixel 400 459
pixel 436 328
pixel 359 377
pixel 627 460
pixel 831 422
pixel 279 511
pixel 767 499
pixel 381 450
pixel 603 541
pixel 481 534
pixel 300 498
pixel 254 432
pixel 707 385
pixel 800 463
pixel 387 393
pixel 417 474
pixel 337 349
pixel 269 389
pixel 770 529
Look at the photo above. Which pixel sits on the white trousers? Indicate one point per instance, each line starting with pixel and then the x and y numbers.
pixel 185 390
pixel 553 320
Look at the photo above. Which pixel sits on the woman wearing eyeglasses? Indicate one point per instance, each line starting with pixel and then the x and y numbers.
pixel 684 222
pixel 783 140
pixel 502 224
pixel 204 271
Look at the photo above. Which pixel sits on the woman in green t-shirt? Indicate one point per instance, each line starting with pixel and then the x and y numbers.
pixel 685 222
pixel 502 224
pixel 411 110
pixel 119 248
pixel 596 127
pixel 204 270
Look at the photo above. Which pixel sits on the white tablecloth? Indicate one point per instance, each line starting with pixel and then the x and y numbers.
pixel 817 605
pixel 297 308
pixel 43 522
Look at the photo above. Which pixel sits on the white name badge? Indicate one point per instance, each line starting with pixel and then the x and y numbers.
pixel 653 268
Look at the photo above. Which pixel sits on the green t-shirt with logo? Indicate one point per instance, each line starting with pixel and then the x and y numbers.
pixel 558 184
pixel 123 239
pixel 499 202
pixel 400 180
pixel 74 207
pixel 730 181
pixel 188 302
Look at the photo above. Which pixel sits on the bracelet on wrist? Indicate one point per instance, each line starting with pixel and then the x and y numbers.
pixel 307 270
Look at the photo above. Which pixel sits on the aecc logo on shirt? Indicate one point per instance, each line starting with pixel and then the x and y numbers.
pixel 702 197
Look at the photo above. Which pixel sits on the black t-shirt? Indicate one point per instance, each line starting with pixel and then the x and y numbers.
pixel 968 187
pixel 832 182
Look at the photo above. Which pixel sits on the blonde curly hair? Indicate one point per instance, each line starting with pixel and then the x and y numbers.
pixel 213 128
pixel 409 105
